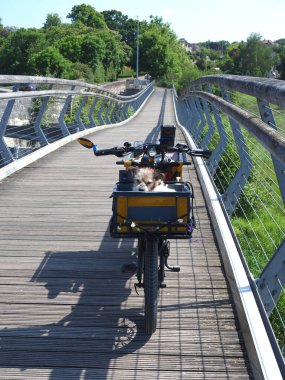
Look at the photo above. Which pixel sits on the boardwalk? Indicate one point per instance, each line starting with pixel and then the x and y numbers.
pixel 67 309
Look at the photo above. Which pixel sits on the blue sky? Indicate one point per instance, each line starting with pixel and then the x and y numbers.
pixel 194 20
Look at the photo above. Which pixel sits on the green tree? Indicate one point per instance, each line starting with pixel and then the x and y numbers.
pixel 55 34
pixel 281 64
pixel 205 58
pixel 52 19
pixel 88 16
pixel 93 50
pixel 281 41
pixel 50 62
pixel 160 51
pixel 18 48
pixel 70 47
pixel 115 20
pixel 81 71
pixel 256 58
pixel 86 44
pixel 113 59
pixel 231 62
pixel 125 26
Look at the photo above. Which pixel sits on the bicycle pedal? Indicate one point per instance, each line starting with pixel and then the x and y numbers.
pixel 162 285
pixel 175 269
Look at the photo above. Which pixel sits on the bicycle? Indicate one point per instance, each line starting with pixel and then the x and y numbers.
pixel 152 217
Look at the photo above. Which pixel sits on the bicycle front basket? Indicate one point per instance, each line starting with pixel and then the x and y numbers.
pixel 163 213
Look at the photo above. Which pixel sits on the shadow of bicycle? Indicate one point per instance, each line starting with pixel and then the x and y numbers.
pixel 91 292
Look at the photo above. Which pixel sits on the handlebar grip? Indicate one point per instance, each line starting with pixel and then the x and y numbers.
pixel 200 153
pixel 120 162
pixel 113 151
pixel 100 153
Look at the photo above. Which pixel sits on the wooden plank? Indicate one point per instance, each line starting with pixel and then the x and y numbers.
pixel 120 374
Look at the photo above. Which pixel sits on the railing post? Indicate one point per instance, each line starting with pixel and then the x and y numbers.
pixel 272 279
pixel 202 120
pixel 37 126
pixel 125 110
pixel 91 111
pixel 139 102
pixel 267 117
pixel 211 127
pixel 108 111
pixel 63 127
pixel 5 153
pixel 195 117
pixel 118 112
pixel 104 101
pixel 80 124
pixel 134 105
pixel 114 113
pixel 215 158
pixel 233 191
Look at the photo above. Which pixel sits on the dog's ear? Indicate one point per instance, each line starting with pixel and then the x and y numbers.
pixel 158 175
pixel 134 170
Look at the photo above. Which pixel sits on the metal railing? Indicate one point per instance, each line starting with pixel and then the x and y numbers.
pixel 58 110
pixel 242 120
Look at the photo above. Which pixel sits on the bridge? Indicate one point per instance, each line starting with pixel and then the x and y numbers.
pixel 69 309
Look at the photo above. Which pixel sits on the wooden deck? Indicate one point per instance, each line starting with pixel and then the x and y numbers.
pixel 67 309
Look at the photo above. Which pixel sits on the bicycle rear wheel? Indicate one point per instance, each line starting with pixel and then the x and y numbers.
pixel 150 284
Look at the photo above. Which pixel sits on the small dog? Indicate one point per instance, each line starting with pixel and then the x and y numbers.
pixel 148 179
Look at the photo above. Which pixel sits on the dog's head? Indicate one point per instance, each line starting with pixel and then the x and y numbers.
pixel 146 179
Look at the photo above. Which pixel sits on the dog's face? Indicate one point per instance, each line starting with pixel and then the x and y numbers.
pixel 146 179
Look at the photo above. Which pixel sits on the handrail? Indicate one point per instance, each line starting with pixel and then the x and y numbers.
pixel 268 137
pixel 18 79
pixel 270 90
pixel 248 148
pixel 56 116
pixel 42 94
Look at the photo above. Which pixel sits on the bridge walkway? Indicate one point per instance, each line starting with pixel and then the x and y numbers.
pixel 68 311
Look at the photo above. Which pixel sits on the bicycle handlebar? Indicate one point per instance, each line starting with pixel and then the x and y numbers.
pixel 180 148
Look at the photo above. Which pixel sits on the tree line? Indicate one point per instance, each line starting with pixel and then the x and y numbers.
pixel 94 46
pixel 101 46
pixel 253 57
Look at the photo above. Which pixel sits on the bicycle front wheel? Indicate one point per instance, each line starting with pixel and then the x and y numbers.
pixel 150 284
